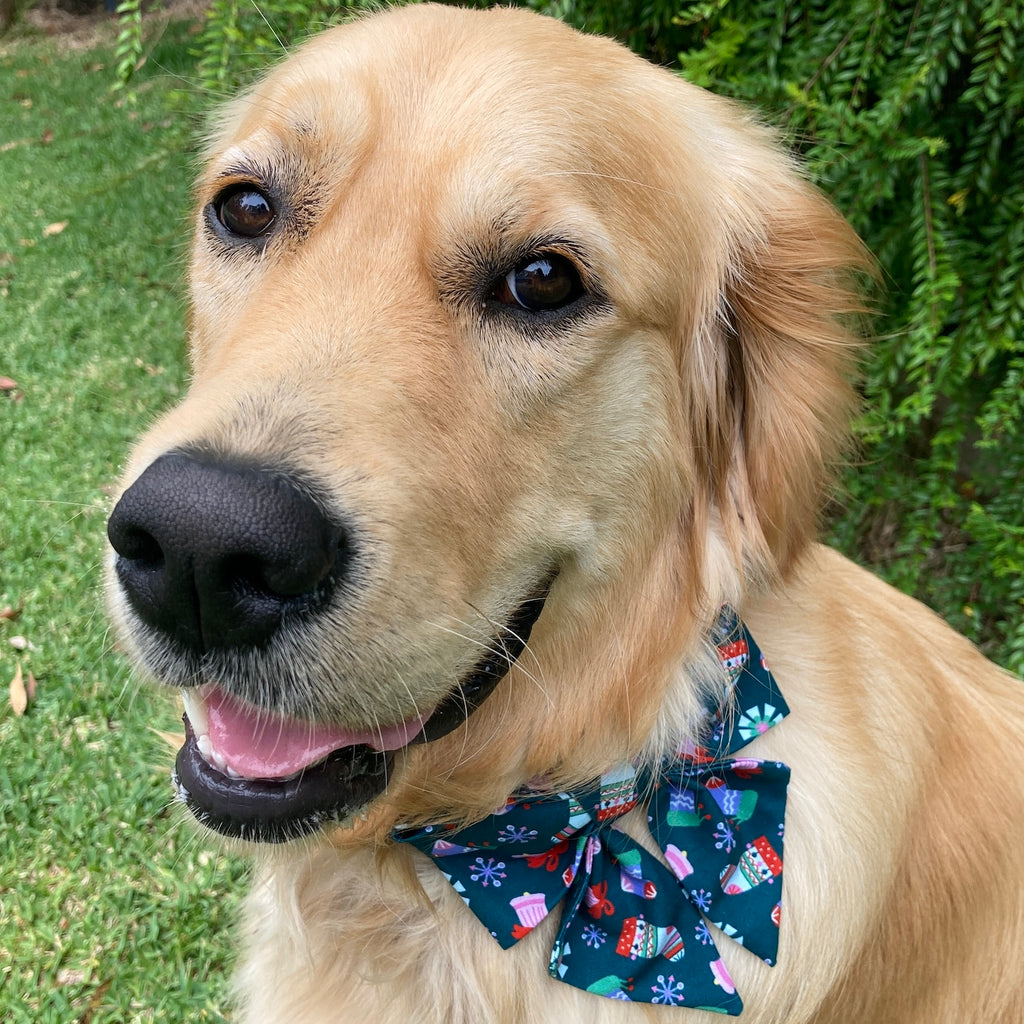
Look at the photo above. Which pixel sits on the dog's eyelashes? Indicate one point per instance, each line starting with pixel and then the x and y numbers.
pixel 540 284
pixel 245 211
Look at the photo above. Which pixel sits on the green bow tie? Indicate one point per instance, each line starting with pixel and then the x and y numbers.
pixel 631 928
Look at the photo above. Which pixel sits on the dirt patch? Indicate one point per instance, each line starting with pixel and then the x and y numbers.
pixel 94 26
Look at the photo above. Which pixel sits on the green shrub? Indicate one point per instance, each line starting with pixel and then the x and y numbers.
pixel 910 117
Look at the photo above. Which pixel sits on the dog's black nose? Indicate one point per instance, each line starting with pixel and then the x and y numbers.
pixel 216 555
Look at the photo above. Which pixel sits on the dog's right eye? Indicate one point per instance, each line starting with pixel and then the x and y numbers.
pixel 540 284
pixel 245 211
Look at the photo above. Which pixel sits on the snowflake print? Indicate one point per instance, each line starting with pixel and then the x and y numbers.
pixel 757 720
pixel 594 936
pixel 703 934
pixel 701 898
pixel 487 874
pixel 726 839
pixel 512 834
pixel 667 991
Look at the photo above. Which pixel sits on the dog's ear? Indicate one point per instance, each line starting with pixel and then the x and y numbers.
pixel 778 360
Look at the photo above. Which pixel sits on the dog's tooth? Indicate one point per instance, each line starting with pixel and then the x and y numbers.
pixel 212 757
pixel 195 708
pixel 206 748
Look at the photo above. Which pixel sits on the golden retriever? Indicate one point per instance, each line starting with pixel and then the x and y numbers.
pixel 496 327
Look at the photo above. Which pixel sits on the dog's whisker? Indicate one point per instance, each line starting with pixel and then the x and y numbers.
pixel 500 628
pixel 475 641
pixel 417 712
pixel 501 653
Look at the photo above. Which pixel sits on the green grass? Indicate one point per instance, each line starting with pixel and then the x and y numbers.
pixel 111 910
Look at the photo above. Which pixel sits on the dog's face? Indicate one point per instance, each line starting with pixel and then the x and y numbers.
pixel 494 328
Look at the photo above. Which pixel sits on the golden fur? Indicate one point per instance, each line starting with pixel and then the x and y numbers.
pixel 669 453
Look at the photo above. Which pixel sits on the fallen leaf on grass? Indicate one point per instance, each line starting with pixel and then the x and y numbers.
pixel 153 371
pixel 54 229
pixel 18 693
pixel 47 137
pixel 148 126
pixel 9 613
pixel 6 384
pixel 173 739
pixel 95 1001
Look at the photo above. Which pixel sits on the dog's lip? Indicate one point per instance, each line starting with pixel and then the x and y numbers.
pixel 246 742
pixel 278 810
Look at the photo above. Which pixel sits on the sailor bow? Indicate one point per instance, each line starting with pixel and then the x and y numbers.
pixel 630 927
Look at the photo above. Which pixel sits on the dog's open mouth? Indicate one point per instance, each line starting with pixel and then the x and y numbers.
pixel 253 775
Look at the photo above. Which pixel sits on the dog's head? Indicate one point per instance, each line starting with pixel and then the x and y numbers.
pixel 494 327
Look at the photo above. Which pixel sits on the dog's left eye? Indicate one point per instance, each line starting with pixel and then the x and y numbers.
pixel 244 210
pixel 541 283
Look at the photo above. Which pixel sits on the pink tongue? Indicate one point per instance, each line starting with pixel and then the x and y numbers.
pixel 259 745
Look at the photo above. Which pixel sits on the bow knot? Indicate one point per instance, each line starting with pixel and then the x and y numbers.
pixel 634 927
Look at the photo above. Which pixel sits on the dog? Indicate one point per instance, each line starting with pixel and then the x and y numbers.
pixel 520 369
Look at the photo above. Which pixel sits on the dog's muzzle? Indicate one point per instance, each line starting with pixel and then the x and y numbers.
pixel 216 557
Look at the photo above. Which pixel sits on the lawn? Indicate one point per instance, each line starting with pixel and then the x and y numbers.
pixel 110 909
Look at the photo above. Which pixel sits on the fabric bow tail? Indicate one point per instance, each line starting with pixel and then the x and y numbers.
pixel 629 933
pixel 721 830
